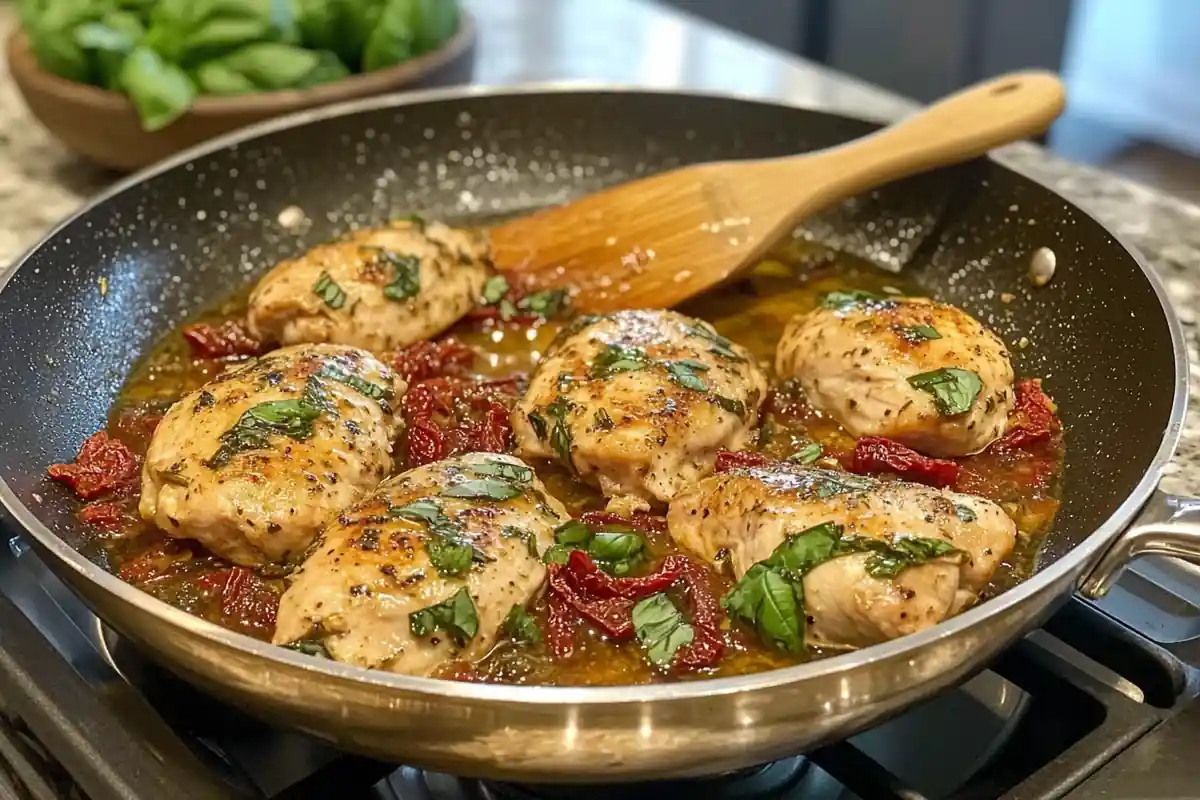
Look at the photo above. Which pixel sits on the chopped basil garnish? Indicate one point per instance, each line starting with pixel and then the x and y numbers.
pixel 517 473
pixel 964 513
pixel 807 454
pixel 417 220
pixel 456 616
pixel 615 359
pixel 449 552
pixel 572 532
pixel 538 423
pixel 371 390
pixel 483 489
pixel 526 536
pixel 507 309
pixel 614 548
pixel 719 345
pixel 494 289
pixel 546 303
pixel 684 373
pixel 827 482
pixel 844 301
pixel 603 421
pixel 329 291
pixel 660 628
pixel 254 429
pixel 918 333
pixel 954 390
pixel 760 599
pixel 309 648
pixel 520 627
pixel 556 554
pixel 561 438
pixel 406 283
pixel 729 404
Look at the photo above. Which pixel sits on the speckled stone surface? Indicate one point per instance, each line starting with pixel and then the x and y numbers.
pixel 40 183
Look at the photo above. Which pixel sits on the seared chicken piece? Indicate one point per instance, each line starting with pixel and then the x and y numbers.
pixel 923 373
pixel 378 289
pixel 253 464
pixel 744 514
pixel 459 537
pixel 639 402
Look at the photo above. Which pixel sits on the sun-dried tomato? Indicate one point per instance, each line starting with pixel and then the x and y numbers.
pixel 590 580
pixel 450 416
pixel 433 359
pixel 708 644
pixel 103 465
pixel 1032 419
pixel 874 454
pixel 728 459
pixel 156 561
pixel 230 338
pixel 107 515
pixel 248 602
pixel 640 521
pixel 612 615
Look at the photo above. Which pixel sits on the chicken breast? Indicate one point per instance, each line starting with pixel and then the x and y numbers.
pixel 378 289
pixel 639 402
pixel 255 462
pixel 426 569
pixel 742 516
pixel 923 373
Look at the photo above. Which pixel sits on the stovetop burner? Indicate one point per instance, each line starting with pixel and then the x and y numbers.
pixel 1051 718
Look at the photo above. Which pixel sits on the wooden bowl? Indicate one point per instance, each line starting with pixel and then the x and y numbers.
pixel 103 126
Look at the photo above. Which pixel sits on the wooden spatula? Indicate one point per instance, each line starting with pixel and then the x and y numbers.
pixel 655 242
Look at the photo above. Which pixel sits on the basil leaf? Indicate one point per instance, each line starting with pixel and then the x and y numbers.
pixel 256 426
pixel 520 627
pixel 456 616
pixel 772 604
pixel 905 552
pixel 802 552
pixel 110 41
pixel 514 532
pixel 683 373
pixel 615 547
pixel 660 628
pixel 615 359
pixel 449 557
pixel 918 333
pixel 365 387
pixel 393 39
pixel 729 404
pixel 434 22
pixel 50 26
pixel 572 532
pixel 954 390
pixel 515 473
pixel 846 300
pixel 309 648
pixel 556 554
pixel 406 283
pixel 964 513
pixel 603 421
pixel 268 66
pixel 449 552
pixel 827 482
pixel 494 289
pixel 507 309
pixel 329 291
pixel 538 423
pixel 546 303
pixel 483 489
pixel 161 92
pixel 807 454
pixel 329 68
pixel 718 344
pixel 561 439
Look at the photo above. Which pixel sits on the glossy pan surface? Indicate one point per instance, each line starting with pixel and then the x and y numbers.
pixel 99 290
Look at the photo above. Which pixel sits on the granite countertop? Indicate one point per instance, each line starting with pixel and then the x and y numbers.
pixel 635 43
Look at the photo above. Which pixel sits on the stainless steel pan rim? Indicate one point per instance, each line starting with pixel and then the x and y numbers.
pixel 1082 556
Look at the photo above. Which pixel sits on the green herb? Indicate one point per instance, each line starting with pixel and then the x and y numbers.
pixel 918 333
pixel 494 289
pixel 449 552
pixel 526 536
pixel 603 421
pixel 483 489
pixel 393 38
pixel 329 291
pixel 520 627
pixel 365 387
pixel 406 283
pixel 161 92
pixel 807 454
pixel 256 426
pixel 660 628
pixel 507 309
pixel 954 390
pixel 903 552
pixel 827 482
pixel 309 648
pixel 419 222
pixel 547 303
pixel 561 438
pixel 572 533
pixel 729 404
pixel 615 359
pixel 719 345
pixel 456 616
pixel 769 602
pixel 766 432
pixel 964 513
pixel 614 548
pixel 556 554
pixel 450 558
pixel 844 301
pixel 516 473
pixel 260 67
pixel 538 423
pixel 684 373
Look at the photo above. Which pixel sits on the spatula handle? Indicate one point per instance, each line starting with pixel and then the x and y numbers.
pixel 964 125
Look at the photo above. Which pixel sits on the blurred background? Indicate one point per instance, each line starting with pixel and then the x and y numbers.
pixel 1132 66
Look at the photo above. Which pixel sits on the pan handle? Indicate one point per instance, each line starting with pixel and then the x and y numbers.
pixel 1169 525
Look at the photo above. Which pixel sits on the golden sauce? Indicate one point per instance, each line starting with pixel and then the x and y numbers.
pixel 753 313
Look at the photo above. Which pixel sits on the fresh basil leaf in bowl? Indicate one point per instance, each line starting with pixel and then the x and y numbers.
pixel 393 39
pixel 162 92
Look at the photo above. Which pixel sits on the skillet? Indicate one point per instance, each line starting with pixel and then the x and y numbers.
pixel 179 237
